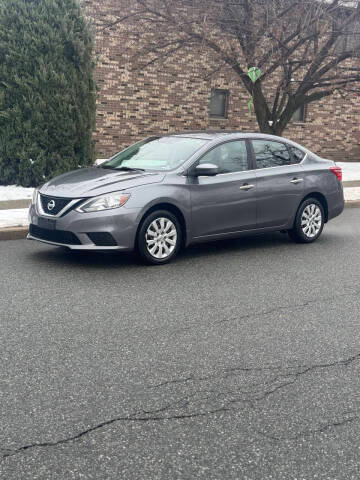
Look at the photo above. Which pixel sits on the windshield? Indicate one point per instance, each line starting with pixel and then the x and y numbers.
pixel 165 153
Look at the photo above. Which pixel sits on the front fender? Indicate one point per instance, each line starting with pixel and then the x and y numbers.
pixel 148 197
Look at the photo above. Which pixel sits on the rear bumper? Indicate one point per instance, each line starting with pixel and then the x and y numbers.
pixel 87 231
pixel 336 204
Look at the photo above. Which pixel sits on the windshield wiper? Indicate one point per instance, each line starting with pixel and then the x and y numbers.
pixel 124 169
pixel 131 169
pixel 107 166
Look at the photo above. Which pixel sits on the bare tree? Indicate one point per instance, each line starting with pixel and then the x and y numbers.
pixel 305 50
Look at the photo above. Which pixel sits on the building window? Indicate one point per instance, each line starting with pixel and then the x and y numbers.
pixel 299 115
pixel 348 40
pixel 219 103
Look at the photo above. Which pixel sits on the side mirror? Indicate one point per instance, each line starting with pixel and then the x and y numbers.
pixel 205 170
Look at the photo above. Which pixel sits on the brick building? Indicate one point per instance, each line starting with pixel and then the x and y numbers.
pixel 135 104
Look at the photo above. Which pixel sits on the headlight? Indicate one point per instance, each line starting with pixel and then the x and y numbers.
pixel 34 196
pixel 104 202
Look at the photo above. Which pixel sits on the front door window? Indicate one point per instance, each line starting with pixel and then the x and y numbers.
pixel 229 157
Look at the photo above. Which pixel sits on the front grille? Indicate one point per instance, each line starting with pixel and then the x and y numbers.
pixel 57 236
pixel 53 205
pixel 102 239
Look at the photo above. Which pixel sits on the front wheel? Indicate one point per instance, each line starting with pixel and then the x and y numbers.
pixel 309 222
pixel 159 237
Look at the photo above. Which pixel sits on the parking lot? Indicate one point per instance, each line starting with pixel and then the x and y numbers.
pixel 239 360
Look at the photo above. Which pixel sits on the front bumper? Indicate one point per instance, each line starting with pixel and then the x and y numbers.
pixel 76 247
pixel 119 224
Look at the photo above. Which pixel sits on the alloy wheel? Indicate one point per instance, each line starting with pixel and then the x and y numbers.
pixel 311 220
pixel 161 238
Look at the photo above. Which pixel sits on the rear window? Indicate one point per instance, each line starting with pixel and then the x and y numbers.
pixel 297 154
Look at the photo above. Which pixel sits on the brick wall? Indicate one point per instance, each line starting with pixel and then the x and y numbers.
pixel 176 97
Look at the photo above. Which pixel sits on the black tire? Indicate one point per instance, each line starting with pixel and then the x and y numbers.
pixel 297 233
pixel 142 245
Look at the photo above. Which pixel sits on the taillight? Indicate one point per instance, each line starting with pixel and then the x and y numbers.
pixel 337 171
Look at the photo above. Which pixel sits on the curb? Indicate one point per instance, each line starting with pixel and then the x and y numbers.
pixel 10 204
pixel 352 204
pixel 351 183
pixel 13 233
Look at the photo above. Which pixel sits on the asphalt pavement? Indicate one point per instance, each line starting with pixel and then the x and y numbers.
pixel 239 360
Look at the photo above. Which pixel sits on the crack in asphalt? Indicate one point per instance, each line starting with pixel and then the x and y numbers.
pixel 286 380
pixel 305 370
pixel 307 433
pixel 289 378
pixel 277 309
pixel 135 417
pixel 288 371
pixel 281 308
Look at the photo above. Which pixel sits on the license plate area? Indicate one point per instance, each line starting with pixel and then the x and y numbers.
pixel 47 223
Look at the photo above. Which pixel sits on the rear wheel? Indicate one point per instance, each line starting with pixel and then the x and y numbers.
pixel 159 237
pixel 309 222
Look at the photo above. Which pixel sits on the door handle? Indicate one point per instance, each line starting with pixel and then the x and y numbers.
pixel 295 181
pixel 246 187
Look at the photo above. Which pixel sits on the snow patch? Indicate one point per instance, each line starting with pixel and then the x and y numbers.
pixel 351 171
pixel 351 194
pixel 14 192
pixel 14 218
pixel 99 161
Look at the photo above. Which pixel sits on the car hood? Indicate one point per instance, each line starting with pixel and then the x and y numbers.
pixel 90 182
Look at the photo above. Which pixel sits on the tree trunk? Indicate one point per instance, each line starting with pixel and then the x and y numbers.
pixel 262 111
pixel 278 130
pixel 267 122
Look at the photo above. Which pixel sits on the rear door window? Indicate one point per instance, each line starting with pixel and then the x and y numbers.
pixel 271 154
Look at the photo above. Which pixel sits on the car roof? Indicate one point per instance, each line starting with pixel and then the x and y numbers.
pixel 218 134
pixel 205 134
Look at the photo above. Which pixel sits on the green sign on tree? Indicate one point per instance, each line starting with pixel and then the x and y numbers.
pixel 254 75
